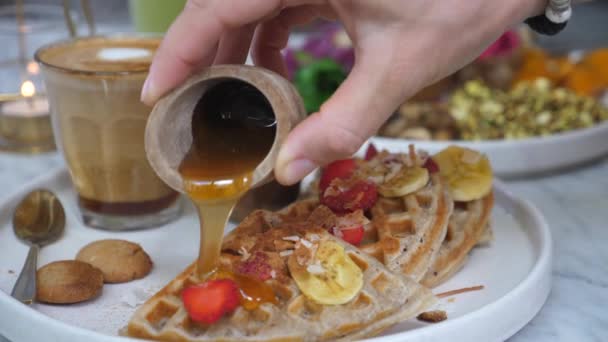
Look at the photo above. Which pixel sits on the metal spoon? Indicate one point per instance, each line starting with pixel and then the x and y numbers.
pixel 38 220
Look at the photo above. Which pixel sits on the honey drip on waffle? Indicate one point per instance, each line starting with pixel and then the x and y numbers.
pixel 253 292
pixel 232 131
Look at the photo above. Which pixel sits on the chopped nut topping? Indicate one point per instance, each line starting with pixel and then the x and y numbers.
pixel 433 316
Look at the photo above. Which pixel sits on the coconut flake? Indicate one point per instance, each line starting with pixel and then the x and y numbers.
pixel 394 170
pixel 376 179
pixel 337 232
pixel 314 237
pixel 315 269
pixel 306 243
pixel 293 238
pixel 244 253
pixel 286 253
pixel 273 274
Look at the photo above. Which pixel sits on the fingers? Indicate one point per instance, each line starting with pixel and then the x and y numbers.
pixel 192 40
pixel 234 46
pixel 271 37
pixel 356 111
pixel 190 43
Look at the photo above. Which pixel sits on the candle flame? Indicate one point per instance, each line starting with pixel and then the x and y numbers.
pixel 28 89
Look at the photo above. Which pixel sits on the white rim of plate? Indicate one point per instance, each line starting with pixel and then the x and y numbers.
pixel 25 312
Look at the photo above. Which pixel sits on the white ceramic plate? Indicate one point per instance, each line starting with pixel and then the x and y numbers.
pixel 516 158
pixel 515 270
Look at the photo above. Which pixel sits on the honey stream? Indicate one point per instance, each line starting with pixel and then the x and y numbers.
pixel 233 130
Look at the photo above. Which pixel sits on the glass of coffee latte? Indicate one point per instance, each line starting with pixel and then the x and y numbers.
pixel 94 86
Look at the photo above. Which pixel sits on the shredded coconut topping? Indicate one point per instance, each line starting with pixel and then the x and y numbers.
pixel 286 253
pixel 273 274
pixel 293 238
pixel 376 179
pixel 394 170
pixel 314 237
pixel 306 243
pixel 244 253
pixel 315 269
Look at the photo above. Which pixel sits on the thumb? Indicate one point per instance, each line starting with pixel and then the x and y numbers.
pixel 355 112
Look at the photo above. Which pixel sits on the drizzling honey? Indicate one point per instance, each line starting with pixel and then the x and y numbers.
pixel 253 292
pixel 233 128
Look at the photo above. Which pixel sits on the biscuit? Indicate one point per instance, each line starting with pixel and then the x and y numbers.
pixel 67 282
pixel 119 260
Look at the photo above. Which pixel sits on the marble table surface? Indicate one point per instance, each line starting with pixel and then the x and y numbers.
pixel 575 202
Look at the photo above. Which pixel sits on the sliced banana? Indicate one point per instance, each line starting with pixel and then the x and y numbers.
pixel 468 172
pixel 331 278
pixel 406 181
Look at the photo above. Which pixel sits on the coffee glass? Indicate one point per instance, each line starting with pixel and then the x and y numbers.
pixel 94 86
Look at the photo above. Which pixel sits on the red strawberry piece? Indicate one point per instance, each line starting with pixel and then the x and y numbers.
pixel 256 266
pixel 431 165
pixel 342 169
pixel 371 152
pixel 352 235
pixel 344 199
pixel 207 302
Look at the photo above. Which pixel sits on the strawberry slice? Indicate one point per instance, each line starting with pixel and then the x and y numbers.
pixel 341 169
pixel 207 302
pixel 352 235
pixel 431 165
pixel 371 152
pixel 345 198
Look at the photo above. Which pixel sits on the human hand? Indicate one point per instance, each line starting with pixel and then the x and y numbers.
pixel 400 47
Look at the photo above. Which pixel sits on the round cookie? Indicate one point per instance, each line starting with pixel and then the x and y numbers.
pixel 67 282
pixel 119 260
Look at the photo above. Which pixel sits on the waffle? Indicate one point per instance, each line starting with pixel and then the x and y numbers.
pixel 405 233
pixel 467 227
pixel 385 298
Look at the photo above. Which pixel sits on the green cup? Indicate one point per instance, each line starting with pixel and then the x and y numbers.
pixel 154 15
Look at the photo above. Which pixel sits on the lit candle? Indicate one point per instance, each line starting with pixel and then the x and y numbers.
pixel 29 105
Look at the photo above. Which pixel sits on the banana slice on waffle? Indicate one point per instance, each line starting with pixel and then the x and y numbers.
pixel 369 297
pixel 406 181
pixel 331 278
pixel 468 172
